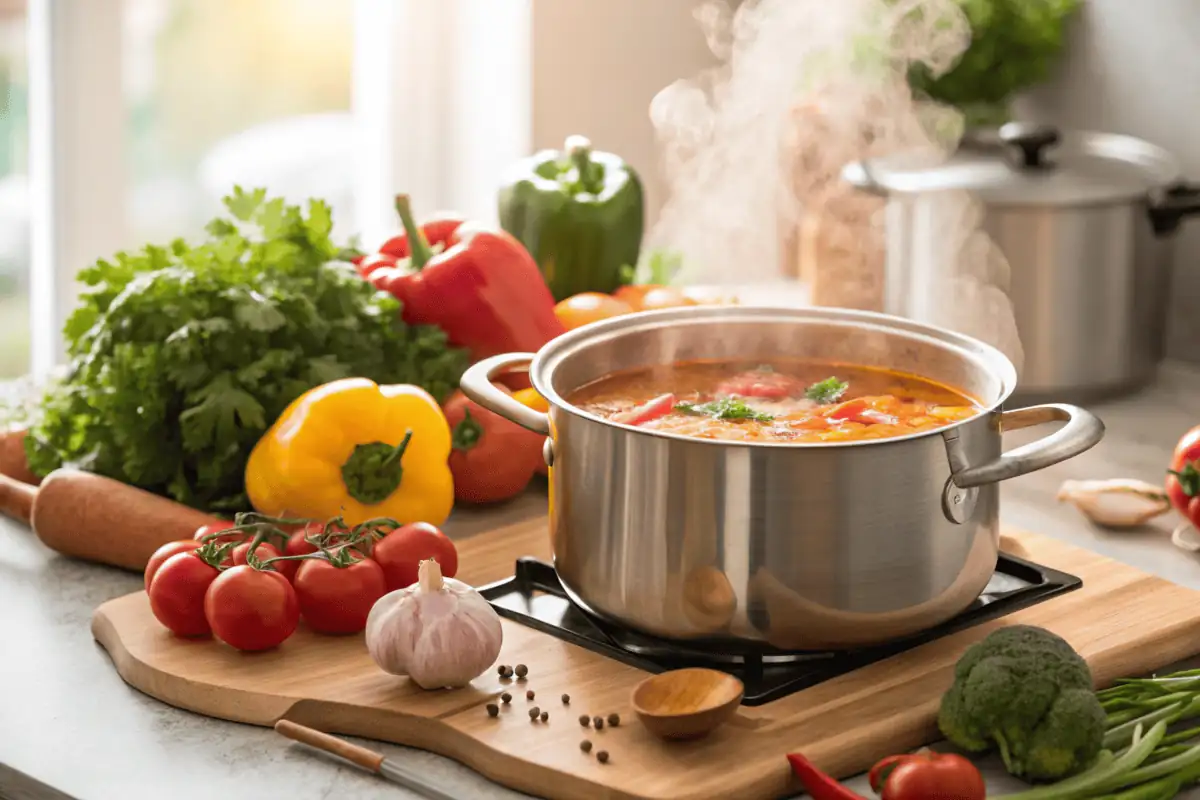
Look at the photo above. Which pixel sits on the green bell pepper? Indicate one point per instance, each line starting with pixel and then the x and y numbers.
pixel 580 213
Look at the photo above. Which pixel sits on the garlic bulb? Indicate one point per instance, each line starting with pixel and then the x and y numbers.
pixel 440 632
pixel 1118 502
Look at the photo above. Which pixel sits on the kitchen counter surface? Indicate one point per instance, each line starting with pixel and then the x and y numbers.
pixel 67 720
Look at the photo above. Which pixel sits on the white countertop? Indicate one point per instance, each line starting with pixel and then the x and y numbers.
pixel 68 721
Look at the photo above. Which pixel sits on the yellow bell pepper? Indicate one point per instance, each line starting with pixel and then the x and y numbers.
pixel 531 398
pixel 355 449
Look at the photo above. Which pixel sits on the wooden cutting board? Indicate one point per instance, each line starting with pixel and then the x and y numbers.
pixel 1125 622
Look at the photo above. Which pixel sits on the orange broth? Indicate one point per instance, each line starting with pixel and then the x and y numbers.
pixel 774 401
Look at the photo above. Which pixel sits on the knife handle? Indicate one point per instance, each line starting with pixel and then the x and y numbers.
pixel 361 756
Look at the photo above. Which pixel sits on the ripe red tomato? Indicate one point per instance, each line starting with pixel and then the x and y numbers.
pixel 251 609
pixel 163 553
pixel 925 775
pixel 337 600
pixel 297 544
pixel 493 459
pixel 402 551
pixel 264 551
pixel 177 594
pixel 216 527
pixel 1183 477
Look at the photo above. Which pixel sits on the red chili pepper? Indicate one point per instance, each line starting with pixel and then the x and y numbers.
pixel 819 785
pixel 480 286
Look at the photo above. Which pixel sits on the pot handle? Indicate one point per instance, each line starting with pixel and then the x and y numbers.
pixel 477 384
pixel 1083 431
pixel 1169 209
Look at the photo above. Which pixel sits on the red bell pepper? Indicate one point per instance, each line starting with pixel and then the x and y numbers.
pixel 478 285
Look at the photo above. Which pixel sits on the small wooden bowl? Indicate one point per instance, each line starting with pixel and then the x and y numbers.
pixel 686 703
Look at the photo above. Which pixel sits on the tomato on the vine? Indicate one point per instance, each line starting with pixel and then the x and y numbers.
pixel 400 553
pixel 251 609
pixel 216 527
pixel 1183 477
pixel 163 553
pixel 264 551
pixel 177 594
pixel 336 599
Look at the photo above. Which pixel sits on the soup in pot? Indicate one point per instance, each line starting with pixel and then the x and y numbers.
pixel 776 401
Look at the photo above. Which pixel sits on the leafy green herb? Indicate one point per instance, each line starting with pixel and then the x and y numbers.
pixel 1014 45
pixel 182 355
pixel 725 408
pixel 829 390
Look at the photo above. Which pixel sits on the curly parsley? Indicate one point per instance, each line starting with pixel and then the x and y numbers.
pixel 725 408
pixel 182 355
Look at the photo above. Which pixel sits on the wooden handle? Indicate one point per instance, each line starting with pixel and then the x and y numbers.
pixel 367 759
pixel 99 519
pixel 12 457
pixel 16 499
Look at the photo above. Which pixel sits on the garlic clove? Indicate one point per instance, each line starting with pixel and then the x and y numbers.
pixel 439 632
pixel 1186 537
pixel 1116 502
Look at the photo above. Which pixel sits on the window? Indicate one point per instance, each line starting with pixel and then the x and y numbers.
pixel 14 192
pixel 144 113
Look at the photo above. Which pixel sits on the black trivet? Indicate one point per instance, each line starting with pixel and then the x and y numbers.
pixel 535 597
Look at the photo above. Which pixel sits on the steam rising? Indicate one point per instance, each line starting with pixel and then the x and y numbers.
pixel 753 152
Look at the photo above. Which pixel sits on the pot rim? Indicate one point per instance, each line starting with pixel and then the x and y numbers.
pixel 579 339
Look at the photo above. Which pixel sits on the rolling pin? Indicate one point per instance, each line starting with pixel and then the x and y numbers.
pixel 94 518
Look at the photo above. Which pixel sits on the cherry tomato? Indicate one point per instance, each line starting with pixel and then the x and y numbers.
pixel 401 552
pixel 658 407
pixel 945 776
pixel 1183 477
pixel 581 309
pixel 216 527
pixel 251 609
pixel 163 553
pixel 177 594
pixel 373 262
pixel 264 551
pixel 337 600
pixel 492 459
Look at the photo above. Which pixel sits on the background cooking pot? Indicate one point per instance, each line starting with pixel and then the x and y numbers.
pixel 800 546
pixel 1086 222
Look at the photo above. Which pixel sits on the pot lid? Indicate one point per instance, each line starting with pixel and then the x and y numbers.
pixel 1029 164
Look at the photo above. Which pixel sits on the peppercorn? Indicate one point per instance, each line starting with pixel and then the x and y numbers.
pixel 493 710
pixel 501 670
pixel 584 720
pixel 522 670
pixel 614 720
pixel 506 698
pixel 585 746
pixel 598 722
pixel 534 713
pixel 529 695
pixel 505 671
pixel 566 699
pixel 602 756
pixel 545 716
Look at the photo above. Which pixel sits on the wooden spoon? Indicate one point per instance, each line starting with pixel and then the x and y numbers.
pixel 686 703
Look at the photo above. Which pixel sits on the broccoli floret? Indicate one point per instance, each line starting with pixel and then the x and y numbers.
pixel 1026 691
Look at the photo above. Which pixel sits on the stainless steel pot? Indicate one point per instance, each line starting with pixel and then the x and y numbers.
pixel 1086 222
pixel 798 546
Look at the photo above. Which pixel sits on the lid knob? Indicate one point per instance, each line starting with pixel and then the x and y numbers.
pixel 1032 139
